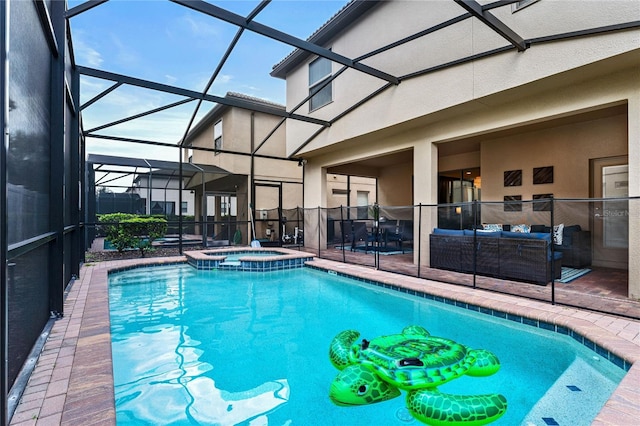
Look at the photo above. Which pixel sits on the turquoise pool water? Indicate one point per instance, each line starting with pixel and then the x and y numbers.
pixel 220 347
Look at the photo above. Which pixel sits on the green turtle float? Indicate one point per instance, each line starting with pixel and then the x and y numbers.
pixel 376 370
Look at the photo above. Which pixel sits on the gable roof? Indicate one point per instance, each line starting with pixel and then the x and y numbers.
pixel 350 13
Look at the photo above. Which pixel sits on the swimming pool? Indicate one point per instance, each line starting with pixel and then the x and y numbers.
pixel 230 347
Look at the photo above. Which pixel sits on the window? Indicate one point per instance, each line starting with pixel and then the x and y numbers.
pixel 363 204
pixel 166 208
pixel 522 4
pixel 185 207
pixel 217 136
pixel 319 72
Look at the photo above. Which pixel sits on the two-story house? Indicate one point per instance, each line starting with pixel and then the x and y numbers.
pixel 250 146
pixel 522 100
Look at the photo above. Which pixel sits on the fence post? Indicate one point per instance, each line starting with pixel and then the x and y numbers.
pixel 475 241
pixel 376 230
pixel 344 258
pixel 419 236
pixel 319 231
pixel 553 263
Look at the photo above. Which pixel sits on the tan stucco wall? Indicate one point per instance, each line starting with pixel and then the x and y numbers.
pixel 567 148
pixel 395 185
pixel 437 91
pixel 236 131
pixel 484 98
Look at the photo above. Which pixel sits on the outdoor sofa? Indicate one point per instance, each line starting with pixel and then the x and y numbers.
pixel 503 254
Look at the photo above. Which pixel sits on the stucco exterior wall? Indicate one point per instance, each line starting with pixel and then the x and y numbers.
pixel 236 136
pixel 568 148
pixel 458 85
pixel 395 186
pixel 524 109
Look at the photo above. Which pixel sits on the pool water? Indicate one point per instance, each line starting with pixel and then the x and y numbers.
pixel 235 257
pixel 224 347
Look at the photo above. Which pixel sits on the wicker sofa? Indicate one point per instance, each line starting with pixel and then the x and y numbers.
pixel 502 254
pixel 575 247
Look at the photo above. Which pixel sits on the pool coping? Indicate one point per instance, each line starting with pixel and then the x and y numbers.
pixel 72 382
pixel 216 259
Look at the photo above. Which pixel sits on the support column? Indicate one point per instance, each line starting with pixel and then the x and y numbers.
pixel 425 169
pixel 314 196
pixel 633 118
pixel 4 289
pixel 57 163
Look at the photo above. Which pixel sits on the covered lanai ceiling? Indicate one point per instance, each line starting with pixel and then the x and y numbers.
pixel 179 107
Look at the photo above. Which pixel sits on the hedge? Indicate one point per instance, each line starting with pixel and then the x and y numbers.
pixel 125 230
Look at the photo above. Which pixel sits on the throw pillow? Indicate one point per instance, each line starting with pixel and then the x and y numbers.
pixel 557 234
pixel 492 226
pixel 525 229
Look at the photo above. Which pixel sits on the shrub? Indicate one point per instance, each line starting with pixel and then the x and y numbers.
pixel 144 231
pixel 113 232
pixel 126 230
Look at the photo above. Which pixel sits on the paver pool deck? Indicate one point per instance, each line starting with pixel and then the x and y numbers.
pixel 72 382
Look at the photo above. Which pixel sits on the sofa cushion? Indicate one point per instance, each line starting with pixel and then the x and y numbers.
pixel 530 235
pixel 483 233
pixel 449 232
pixel 567 234
pixel 492 226
pixel 525 229
pixel 558 234
pixel 540 228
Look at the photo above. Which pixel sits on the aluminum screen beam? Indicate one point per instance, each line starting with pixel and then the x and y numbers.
pixel 234 102
pixel 100 95
pixel 226 55
pixel 474 8
pixel 274 34
pixel 83 8
pixel 4 285
pixel 142 114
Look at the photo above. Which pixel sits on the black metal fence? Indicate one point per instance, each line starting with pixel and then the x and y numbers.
pixel 567 251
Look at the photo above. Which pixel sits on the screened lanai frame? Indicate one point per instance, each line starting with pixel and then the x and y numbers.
pixel 62 240
pixel 303 49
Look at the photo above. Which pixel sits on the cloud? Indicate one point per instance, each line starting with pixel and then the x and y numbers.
pixel 198 26
pixel 85 54
pixel 222 79
pixel 125 54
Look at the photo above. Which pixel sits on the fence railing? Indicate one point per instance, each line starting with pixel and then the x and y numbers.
pixel 553 250
pixel 537 249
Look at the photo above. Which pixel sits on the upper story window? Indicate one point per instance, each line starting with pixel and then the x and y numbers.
pixel 319 72
pixel 217 136
pixel 522 4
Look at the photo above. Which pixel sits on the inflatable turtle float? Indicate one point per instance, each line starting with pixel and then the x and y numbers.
pixel 414 361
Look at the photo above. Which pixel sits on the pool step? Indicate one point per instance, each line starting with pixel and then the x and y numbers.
pixel 574 399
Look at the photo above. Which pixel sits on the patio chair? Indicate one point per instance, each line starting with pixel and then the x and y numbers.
pixel 359 235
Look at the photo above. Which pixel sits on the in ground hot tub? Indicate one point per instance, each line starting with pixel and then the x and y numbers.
pixel 248 259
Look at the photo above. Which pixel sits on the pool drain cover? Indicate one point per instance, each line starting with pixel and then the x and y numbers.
pixel 404 416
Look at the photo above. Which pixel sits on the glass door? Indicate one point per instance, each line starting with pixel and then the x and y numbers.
pixel 220 214
pixel 610 219
pixel 457 187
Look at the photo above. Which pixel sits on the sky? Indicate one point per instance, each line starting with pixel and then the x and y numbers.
pixel 164 42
